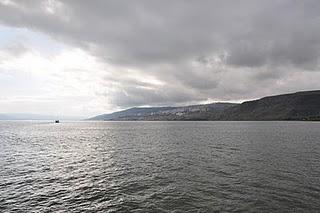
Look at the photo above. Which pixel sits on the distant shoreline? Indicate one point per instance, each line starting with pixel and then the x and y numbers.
pixel 299 106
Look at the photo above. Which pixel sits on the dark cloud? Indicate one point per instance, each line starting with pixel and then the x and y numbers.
pixel 199 49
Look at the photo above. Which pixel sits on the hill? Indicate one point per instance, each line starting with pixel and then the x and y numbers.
pixel 295 106
pixel 194 112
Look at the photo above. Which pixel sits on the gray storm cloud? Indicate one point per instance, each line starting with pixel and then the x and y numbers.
pixel 199 50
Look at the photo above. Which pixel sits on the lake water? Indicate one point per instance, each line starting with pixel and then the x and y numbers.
pixel 160 167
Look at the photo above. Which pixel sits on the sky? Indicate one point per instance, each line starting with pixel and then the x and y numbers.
pixel 83 58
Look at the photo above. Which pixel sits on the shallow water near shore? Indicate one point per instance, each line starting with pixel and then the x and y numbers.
pixel 160 166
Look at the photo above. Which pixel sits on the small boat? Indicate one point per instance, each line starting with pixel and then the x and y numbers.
pixel 57 121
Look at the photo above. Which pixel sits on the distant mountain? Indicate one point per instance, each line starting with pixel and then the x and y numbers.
pixel 295 106
pixel 24 116
pixel 194 112
pixel 27 116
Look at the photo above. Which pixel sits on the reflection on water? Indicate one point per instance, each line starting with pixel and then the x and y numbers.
pixel 160 166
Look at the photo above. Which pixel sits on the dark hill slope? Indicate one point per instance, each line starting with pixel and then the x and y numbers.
pixel 295 106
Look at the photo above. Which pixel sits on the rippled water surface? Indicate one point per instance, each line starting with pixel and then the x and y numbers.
pixel 160 167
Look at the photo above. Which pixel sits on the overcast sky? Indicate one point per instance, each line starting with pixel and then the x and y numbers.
pixel 87 57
